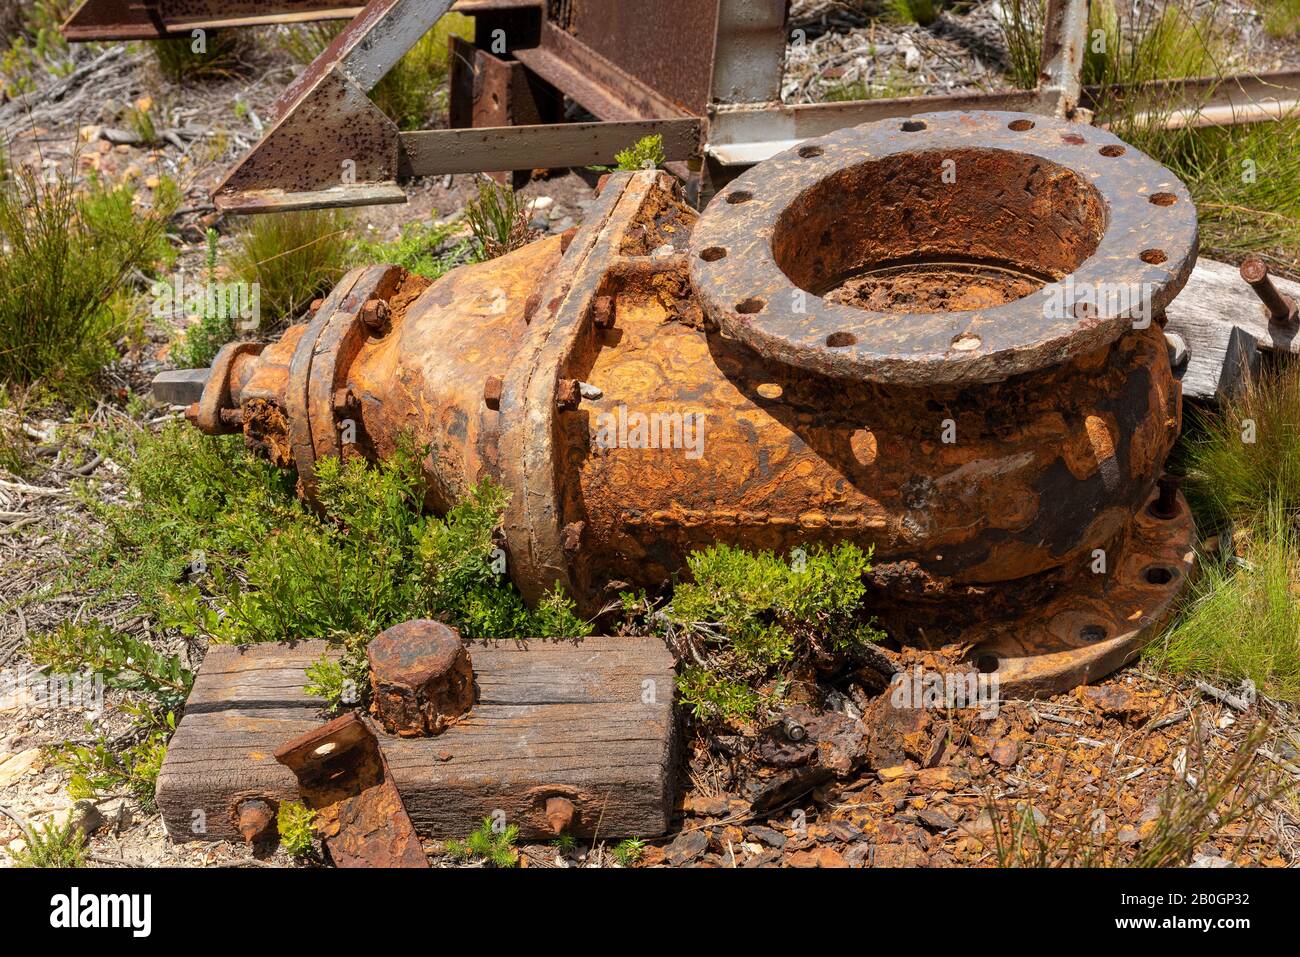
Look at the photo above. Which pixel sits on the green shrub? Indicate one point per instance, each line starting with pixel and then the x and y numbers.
pixel 37 50
pixel 1282 18
pixel 68 256
pixel 755 619
pixel 294 258
pixel 645 153
pixel 120 659
pixel 107 766
pixel 294 822
pixel 426 250
pixel 923 12
pixel 629 851
pixel 52 845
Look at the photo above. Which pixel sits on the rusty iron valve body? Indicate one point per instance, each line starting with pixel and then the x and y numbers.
pixel 937 337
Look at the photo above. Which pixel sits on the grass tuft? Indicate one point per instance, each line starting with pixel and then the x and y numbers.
pixel 487 843
pixel 52 845
pixel 206 55
pixel 293 258
pixel 922 12
pixel 498 218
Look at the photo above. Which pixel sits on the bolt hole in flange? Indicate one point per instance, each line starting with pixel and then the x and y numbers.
pixel 1159 574
pixel 1021 126
pixel 1153 257
pixel 913 126
pixel 987 664
pixel 739 196
pixel 1162 199
pixel 1112 149
pixel 841 340
pixel 880 236
pixel 748 307
pixel 811 152
pixel 712 254
pixel 1092 633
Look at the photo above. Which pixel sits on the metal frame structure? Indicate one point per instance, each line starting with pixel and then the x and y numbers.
pixel 105 20
pixel 705 74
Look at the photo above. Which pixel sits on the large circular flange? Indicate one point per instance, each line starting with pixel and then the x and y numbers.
pixel 1141 251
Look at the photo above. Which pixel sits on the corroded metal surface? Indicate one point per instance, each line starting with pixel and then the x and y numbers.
pixel 1029 196
pixel 343 777
pixel 986 450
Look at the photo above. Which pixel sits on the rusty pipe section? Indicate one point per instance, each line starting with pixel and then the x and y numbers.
pixel 938 338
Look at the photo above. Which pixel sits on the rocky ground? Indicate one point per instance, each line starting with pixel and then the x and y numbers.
pixel 1088 771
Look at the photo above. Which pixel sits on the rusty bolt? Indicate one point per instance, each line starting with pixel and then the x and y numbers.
pixel 421 676
pixel 256 818
pixel 559 814
pixel 794 730
pixel 530 305
pixel 374 314
pixel 234 417
pixel 568 395
pixel 602 312
pixel 1166 504
pixel 192 414
pixel 566 238
pixel 315 306
pixel 344 402
pixel 1282 310
pixel 492 387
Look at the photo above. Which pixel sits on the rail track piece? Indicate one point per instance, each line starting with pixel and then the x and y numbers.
pixel 343 777
pixel 588 721
pixel 105 20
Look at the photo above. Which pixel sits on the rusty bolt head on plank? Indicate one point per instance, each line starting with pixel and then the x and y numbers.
pixel 257 819
pixel 1282 310
pixel 559 814
pixel 374 314
pixel 492 392
pixel 422 678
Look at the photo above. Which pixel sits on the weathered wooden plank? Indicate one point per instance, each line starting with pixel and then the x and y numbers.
pixel 591 721
pixel 1214 302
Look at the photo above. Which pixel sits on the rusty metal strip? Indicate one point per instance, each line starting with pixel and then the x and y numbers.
pixel 344 777
pixel 435 152
pixel 1065 34
pixel 106 20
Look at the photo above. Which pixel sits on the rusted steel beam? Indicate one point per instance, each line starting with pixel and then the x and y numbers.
pixel 343 777
pixel 107 20
pixel 434 152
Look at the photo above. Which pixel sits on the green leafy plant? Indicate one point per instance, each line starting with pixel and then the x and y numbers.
pixel 629 851
pixel 122 660
pixel 645 153
pixel 498 218
pixel 565 844
pixel 35 49
pixel 216 325
pixel 487 843
pixel 109 766
pixel 52 845
pixel 750 621
pixel 67 256
pixel 294 258
pixel 426 250
pixel 294 822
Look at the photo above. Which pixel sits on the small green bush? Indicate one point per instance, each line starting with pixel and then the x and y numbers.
pixel 645 153
pixel 923 12
pixel 294 822
pixel 629 851
pixel 210 55
pixel 426 250
pixel 755 619
pixel 52 845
